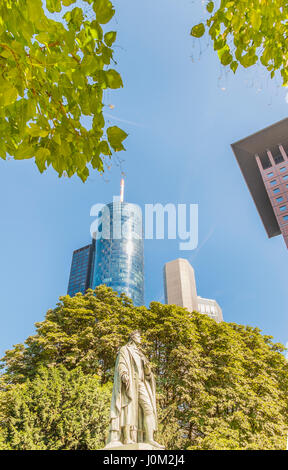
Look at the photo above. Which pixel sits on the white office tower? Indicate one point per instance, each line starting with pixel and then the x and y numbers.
pixel 180 289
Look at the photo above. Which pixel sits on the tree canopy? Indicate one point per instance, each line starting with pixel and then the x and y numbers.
pixel 220 386
pixel 53 73
pixel 58 410
pixel 248 31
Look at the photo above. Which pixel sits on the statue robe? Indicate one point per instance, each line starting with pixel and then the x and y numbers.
pixel 125 409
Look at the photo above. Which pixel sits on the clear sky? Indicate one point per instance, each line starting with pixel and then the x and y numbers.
pixel 182 111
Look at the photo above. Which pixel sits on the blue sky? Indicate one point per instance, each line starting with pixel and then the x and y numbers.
pixel 183 111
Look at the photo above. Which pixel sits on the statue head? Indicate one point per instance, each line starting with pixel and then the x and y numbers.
pixel 135 337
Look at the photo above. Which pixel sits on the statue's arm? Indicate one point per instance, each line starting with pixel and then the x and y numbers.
pixel 147 368
pixel 123 369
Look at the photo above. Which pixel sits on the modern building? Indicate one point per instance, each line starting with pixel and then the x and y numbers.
pixel 119 257
pixel 81 269
pixel 262 158
pixel 116 256
pixel 180 289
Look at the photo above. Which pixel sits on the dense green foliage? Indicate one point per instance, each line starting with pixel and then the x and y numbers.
pixel 246 31
pixel 59 409
pixel 220 386
pixel 52 74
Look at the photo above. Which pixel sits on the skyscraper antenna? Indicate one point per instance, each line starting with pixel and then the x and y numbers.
pixel 122 190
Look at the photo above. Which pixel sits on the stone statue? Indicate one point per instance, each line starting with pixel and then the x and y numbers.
pixel 133 416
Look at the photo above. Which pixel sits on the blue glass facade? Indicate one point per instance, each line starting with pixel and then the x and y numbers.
pixel 119 254
pixel 81 268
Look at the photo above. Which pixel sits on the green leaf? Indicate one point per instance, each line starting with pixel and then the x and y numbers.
pixel 104 10
pixel 74 17
pixel 97 163
pixel 24 151
pixel 219 44
pixel 226 58
pixel 43 38
pixel 210 7
pixel 229 15
pixel 35 131
pixel 198 30
pixel 41 157
pixel 234 66
pixel 266 56
pixel 255 19
pixel 248 59
pixel 116 137
pixel 8 94
pixel 110 37
pixel 57 138
pixel 104 148
pixel 225 55
pixel 83 174
pixel 66 3
pixel 53 5
pixel 33 9
pixel 113 79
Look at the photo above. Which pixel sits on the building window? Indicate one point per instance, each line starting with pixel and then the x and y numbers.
pixel 278 159
pixel 283 208
pixel 285 177
pixel 270 174
pixel 285 217
pixel 276 191
pixel 283 169
pixel 274 181
pixel 279 199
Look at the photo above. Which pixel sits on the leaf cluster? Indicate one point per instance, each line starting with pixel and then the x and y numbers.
pixel 245 32
pixel 52 74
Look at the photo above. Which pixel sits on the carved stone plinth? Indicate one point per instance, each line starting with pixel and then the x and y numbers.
pixel 128 447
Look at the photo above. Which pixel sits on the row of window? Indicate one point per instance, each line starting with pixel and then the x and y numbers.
pixel 282 169
pixel 272 183
pixel 72 285
pixel 277 190
pixel 78 269
pixel 206 308
pixel 77 276
pixel 78 256
pixel 77 286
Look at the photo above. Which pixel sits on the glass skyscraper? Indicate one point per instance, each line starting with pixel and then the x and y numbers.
pixel 119 254
pixel 116 255
pixel 81 268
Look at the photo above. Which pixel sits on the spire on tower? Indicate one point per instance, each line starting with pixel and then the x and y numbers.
pixel 122 190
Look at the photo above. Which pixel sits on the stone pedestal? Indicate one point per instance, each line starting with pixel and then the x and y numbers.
pixel 128 447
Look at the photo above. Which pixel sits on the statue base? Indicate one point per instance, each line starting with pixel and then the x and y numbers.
pixel 128 447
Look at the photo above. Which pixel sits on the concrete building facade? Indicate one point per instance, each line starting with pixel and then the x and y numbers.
pixel 263 160
pixel 180 289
